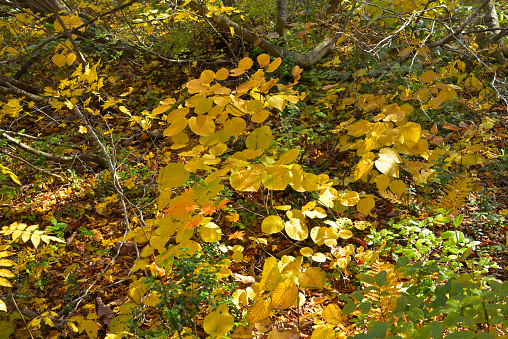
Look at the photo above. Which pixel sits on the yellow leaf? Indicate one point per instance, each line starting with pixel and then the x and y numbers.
pixel 137 290
pixel 234 126
pixel 323 332
pixel 471 159
pixel 152 299
pixel 365 205
pixel 177 125
pixel 211 232
pixel 7 262
pixel 36 239
pixel 288 157
pixel 260 138
pixel 218 322
pixel 398 187
pixel 364 165
pixel 388 162
pixel 207 76
pixel 4 282
pixel 319 257
pixel 260 116
pixel 203 106
pixel 349 198
pixel 262 309
pixel 296 229
pixel 202 125
pixel 275 178
pixel 271 275
pixel 83 130
pixel 3 307
pixel 245 63
pixel 59 59
pixel 277 102
pixel 245 180
pixel 411 133
pixel 345 234
pixel 284 294
pixel 6 273
pixel 310 182
pixel 312 277
pixel 172 175
pixel 274 65
pixel 71 58
pixel 382 182
pixel 332 314
pixel 222 74
pixel 272 224
pixel 263 60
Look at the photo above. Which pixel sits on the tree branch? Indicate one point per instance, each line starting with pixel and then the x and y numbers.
pixel 85 157
pixel 302 60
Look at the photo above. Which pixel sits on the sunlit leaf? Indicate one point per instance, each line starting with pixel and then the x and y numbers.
pixel 259 138
pixel 365 205
pixel 312 277
pixel 202 125
pixel 172 175
pixel 262 309
pixel 349 198
pixel 263 60
pixel 296 229
pixel 284 294
pixel 272 224
pixel 332 314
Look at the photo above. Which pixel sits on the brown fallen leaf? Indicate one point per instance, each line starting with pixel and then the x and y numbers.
pixel 104 313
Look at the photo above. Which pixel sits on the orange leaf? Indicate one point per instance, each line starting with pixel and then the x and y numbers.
pixel 237 235
pixel 194 223
pixel 233 216
pixel 222 204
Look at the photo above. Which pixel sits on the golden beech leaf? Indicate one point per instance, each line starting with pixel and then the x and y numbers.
pixel 323 332
pixel 260 138
pixel 296 229
pixel 210 232
pixel 245 180
pixel 274 65
pixel 207 76
pixel 202 125
pixel 218 322
pixel 388 162
pixel 222 74
pixel 349 198
pixel 411 133
pixel 272 224
pixel 262 309
pixel 382 182
pixel 172 175
pixel 284 294
pixel 288 157
pixel 6 273
pixel 4 282
pixel 3 306
pixel 177 125
pixel 263 60
pixel 398 187
pixel 234 126
pixel 364 165
pixel 332 314
pixel 59 59
pixel 312 277
pixel 287 334
pixel 270 276
pixel 245 63
pixel 365 205
pixel 275 178
pixel 260 116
